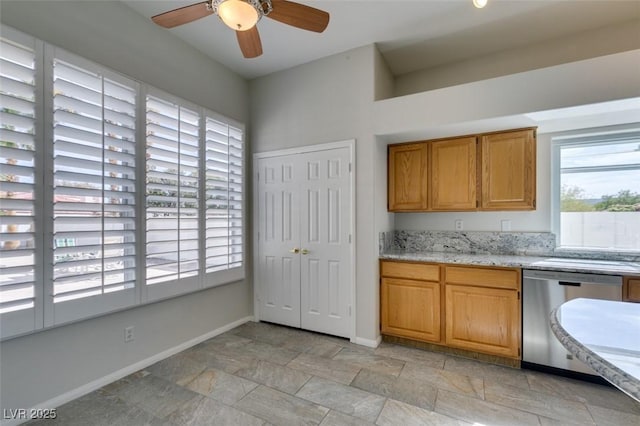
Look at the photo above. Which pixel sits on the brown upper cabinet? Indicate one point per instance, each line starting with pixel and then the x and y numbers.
pixel 491 171
pixel 509 170
pixel 407 177
pixel 453 174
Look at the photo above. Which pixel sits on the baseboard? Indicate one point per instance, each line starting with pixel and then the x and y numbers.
pixel 116 375
pixel 367 342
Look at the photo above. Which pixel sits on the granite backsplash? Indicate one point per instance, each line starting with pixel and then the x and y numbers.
pixel 476 242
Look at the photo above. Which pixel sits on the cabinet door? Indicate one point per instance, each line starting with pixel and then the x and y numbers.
pixel 453 174
pixel 509 170
pixel 411 309
pixel 632 289
pixel 483 320
pixel 407 178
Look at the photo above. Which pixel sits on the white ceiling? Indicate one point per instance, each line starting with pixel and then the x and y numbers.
pixel 411 34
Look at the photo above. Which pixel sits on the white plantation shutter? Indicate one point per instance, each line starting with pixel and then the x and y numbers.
pixel 83 206
pixel 172 197
pixel 18 209
pixel 94 190
pixel 224 187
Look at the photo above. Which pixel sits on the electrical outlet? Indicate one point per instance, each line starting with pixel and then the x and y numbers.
pixel 505 225
pixel 128 334
pixel 459 224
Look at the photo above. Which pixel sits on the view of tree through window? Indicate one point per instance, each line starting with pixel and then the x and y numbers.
pixel 600 192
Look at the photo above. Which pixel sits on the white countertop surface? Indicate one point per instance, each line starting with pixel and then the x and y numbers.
pixel 606 336
pixel 565 264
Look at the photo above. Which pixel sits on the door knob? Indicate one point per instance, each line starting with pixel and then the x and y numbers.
pixel 294 250
pixel 305 251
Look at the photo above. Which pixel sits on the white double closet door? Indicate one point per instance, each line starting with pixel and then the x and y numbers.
pixel 304 276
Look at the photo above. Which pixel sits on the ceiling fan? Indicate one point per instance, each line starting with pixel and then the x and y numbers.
pixel 243 15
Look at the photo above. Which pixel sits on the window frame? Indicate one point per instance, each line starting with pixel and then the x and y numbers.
pixel 45 315
pixel 31 319
pixel 91 306
pixel 582 137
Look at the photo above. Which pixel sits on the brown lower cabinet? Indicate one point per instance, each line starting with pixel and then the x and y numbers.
pixel 465 307
pixel 631 289
pixel 410 300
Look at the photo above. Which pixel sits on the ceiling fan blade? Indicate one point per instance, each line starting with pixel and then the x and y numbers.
pixel 299 15
pixel 182 15
pixel 249 42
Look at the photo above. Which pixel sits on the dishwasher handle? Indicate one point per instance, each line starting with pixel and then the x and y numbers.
pixel 569 283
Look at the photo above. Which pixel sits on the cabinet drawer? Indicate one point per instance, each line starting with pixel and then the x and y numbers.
pixel 412 271
pixel 484 277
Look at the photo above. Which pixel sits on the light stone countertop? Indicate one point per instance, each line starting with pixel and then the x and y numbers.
pixel 607 267
pixel 605 335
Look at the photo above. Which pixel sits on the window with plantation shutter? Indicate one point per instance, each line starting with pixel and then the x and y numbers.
pixel 18 187
pixel 93 220
pixel 94 188
pixel 224 185
pixel 172 199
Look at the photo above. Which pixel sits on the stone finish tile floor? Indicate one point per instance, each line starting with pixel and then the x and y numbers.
pixel 265 374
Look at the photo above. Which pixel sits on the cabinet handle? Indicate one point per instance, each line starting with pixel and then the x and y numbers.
pixel 294 250
pixel 305 251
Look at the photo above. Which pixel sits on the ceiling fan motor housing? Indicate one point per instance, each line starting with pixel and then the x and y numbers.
pixel 263 7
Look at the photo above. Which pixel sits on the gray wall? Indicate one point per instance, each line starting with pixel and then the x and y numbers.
pixel 325 101
pixel 45 365
pixel 603 41
pixel 333 99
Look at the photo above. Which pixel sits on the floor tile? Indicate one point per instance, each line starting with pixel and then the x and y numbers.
pixel 403 353
pixel 115 386
pixel 155 395
pixel 178 368
pixel 401 414
pixel 588 393
pixel 275 376
pixel 312 344
pixel 339 371
pixel 443 379
pixel 568 412
pixel 259 351
pixel 336 418
pixel 279 408
pixel 212 357
pixel 413 392
pixel 496 373
pixel 99 409
pixel 258 374
pixel 264 332
pixel 476 411
pixel 608 417
pixel 346 399
pixel 205 411
pixel 370 361
pixel 221 386
pixel 226 339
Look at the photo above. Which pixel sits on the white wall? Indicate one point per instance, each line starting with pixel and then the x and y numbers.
pixel 116 36
pixel 45 365
pixel 503 103
pixel 332 99
pixel 324 101
pixel 327 100
pixel 603 41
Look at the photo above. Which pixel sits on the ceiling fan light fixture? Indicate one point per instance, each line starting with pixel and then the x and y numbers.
pixel 480 3
pixel 239 15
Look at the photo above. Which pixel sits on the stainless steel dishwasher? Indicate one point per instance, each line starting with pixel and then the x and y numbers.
pixel 542 291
